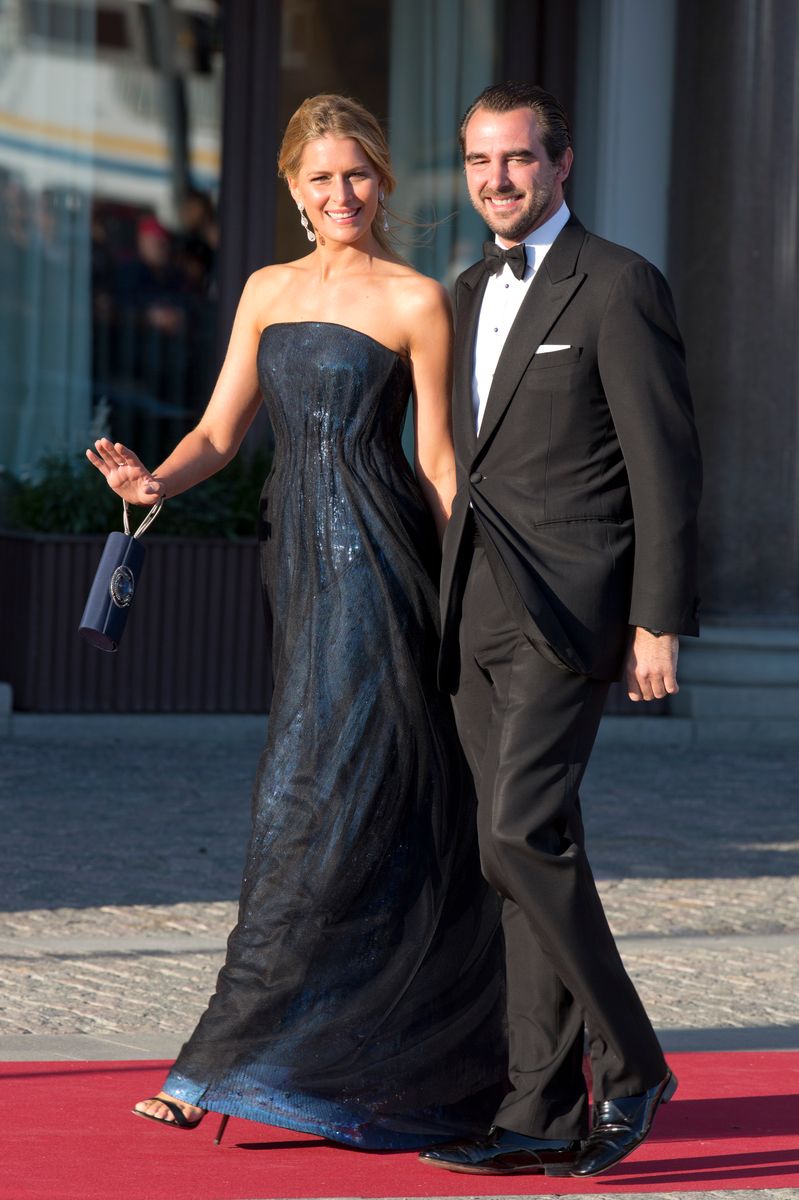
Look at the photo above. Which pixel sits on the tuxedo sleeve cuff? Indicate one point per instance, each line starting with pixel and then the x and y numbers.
pixel 684 623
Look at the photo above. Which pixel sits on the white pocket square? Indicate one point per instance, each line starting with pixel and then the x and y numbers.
pixel 551 349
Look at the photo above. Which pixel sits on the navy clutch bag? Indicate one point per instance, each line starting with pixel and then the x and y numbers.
pixel 115 582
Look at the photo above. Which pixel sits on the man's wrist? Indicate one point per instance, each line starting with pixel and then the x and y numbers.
pixel 657 633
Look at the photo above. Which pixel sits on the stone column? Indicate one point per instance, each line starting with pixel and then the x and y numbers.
pixel 250 138
pixel 734 266
pixel 622 121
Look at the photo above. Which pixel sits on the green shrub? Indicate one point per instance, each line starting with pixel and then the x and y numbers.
pixel 66 494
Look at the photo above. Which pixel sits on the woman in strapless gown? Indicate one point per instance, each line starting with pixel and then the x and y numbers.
pixel 361 996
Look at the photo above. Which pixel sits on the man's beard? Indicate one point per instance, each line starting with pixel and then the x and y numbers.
pixel 537 204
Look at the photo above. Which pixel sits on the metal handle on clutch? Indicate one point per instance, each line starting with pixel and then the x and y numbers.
pixel 146 522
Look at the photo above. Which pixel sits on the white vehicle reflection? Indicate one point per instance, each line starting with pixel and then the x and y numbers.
pixel 120 99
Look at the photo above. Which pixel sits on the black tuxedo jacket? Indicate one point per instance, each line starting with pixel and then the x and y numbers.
pixel 585 478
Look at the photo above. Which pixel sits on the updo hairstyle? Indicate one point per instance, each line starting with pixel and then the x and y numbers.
pixel 341 117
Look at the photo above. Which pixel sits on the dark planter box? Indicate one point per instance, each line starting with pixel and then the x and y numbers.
pixel 195 638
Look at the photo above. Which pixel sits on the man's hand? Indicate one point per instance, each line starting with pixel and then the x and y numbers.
pixel 650 669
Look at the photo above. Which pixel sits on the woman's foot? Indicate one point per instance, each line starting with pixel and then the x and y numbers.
pixel 170 1111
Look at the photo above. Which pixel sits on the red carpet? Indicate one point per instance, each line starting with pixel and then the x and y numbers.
pixel 67 1135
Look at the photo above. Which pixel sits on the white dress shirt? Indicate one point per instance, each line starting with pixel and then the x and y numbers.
pixel 501 302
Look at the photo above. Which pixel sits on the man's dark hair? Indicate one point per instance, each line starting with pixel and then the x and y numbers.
pixel 505 97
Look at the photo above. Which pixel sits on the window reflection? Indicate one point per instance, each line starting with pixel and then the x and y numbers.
pixel 416 65
pixel 343 48
pixel 110 125
pixel 109 172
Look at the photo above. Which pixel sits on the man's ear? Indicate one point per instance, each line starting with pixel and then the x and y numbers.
pixel 565 165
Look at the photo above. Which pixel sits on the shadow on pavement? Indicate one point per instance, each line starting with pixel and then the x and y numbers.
pixel 157 813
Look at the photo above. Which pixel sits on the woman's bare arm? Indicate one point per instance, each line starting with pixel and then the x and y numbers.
pixel 215 439
pixel 430 347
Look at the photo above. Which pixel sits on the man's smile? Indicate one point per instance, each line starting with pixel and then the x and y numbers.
pixel 500 202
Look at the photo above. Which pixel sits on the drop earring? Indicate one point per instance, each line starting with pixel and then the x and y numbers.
pixel 306 224
pixel 381 197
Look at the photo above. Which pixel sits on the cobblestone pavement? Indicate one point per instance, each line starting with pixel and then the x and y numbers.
pixel 123 844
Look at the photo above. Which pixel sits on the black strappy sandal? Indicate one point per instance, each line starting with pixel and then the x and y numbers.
pixel 181 1121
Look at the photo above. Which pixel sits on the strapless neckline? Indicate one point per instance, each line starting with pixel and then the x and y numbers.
pixel 335 325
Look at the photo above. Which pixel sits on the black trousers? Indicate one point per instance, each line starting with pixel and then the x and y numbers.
pixel 528 726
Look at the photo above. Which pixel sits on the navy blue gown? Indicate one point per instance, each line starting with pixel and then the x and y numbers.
pixel 361 997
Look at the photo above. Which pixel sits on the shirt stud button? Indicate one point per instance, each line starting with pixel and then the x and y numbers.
pixel 475 477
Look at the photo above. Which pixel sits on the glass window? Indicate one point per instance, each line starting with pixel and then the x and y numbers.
pixel 110 125
pixel 47 24
pixel 417 66
pixel 324 49
pixel 109 172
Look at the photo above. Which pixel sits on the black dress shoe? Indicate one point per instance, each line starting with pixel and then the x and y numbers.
pixel 621 1125
pixel 504 1152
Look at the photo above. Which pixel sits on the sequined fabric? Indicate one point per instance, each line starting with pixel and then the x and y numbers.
pixel 361 997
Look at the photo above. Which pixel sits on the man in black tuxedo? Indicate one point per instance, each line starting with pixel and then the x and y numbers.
pixel 570 560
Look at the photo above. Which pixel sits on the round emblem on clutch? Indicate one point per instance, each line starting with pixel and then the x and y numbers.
pixel 122 587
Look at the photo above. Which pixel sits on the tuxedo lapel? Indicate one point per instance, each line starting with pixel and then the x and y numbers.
pixel 551 290
pixel 471 286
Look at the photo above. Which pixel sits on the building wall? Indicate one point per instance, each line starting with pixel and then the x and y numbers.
pixel 686 125
pixel 735 268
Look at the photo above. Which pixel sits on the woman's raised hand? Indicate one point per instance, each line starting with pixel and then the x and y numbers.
pixel 124 473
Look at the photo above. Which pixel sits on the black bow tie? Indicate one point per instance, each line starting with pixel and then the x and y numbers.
pixel 495 258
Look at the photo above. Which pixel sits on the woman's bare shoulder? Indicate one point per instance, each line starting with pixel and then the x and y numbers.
pixel 267 286
pixel 421 298
pixel 276 275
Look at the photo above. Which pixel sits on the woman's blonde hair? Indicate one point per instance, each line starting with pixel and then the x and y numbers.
pixel 342 117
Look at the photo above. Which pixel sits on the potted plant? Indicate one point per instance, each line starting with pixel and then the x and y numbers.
pixel 195 639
